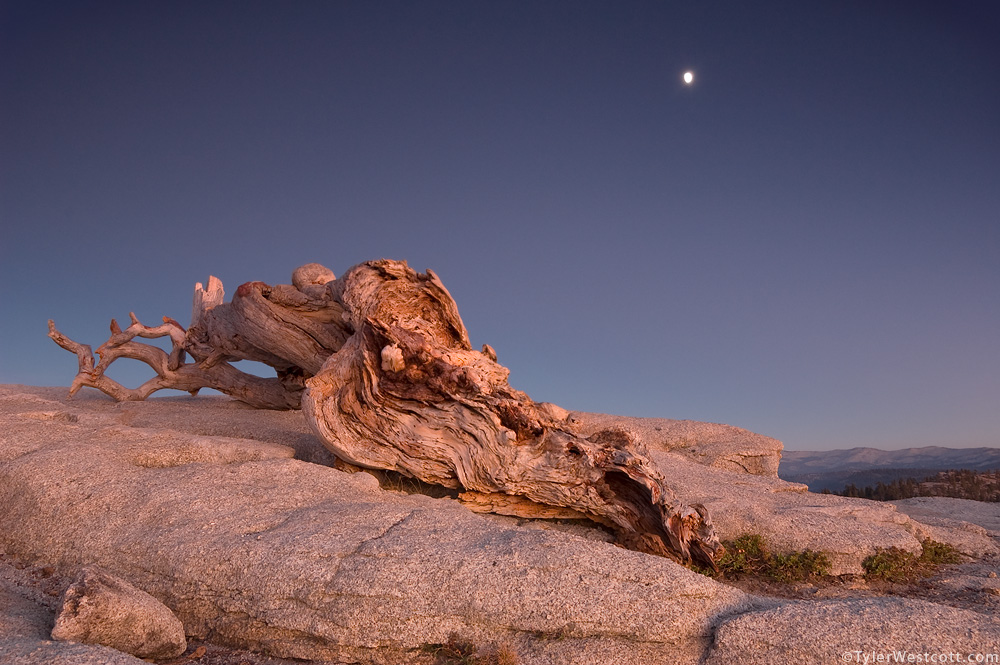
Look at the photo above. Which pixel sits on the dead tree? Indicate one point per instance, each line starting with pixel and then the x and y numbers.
pixel 382 367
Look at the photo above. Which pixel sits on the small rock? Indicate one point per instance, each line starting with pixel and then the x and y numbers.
pixel 99 608
pixel 991 574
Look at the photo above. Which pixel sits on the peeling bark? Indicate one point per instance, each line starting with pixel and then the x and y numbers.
pixel 382 366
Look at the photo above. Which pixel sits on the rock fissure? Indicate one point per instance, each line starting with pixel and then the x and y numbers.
pixel 356 551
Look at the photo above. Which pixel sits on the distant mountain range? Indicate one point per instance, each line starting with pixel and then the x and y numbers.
pixel 835 469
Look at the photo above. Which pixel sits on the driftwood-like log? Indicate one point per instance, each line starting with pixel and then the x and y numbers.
pixel 407 392
pixel 381 364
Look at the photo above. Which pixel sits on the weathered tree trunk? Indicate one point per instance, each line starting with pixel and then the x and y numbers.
pixel 391 382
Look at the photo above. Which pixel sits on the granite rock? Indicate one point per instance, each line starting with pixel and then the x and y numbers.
pixel 212 508
pixel 26 618
pixel 882 630
pixel 975 516
pixel 100 608
pixel 22 651
pixel 709 444
pixel 258 550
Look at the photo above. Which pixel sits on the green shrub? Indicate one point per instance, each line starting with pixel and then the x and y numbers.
pixel 748 555
pixel 891 564
pixel 799 566
pixel 939 553
pixel 898 565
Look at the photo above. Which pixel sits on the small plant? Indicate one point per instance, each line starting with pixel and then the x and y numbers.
pixel 504 655
pixel 897 565
pixel 799 566
pixel 939 553
pixel 394 481
pixel 891 564
pixel 457 651
pixel 748 555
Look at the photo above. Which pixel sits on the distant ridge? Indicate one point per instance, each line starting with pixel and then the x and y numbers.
pixel 834 469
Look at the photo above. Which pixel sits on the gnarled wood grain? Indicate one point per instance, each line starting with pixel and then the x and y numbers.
pixel 381 364
pixel 407 392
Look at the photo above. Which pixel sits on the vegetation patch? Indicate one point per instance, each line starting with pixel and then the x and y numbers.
pixel 897 565
pixel 939 553
pixel 458 651
pixel 799 566
pixel 749 556
pixel 891 564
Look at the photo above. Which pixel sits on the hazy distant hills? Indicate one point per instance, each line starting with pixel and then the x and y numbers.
pixel 834 469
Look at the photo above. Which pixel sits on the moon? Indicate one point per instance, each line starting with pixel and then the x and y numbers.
pixel 688 78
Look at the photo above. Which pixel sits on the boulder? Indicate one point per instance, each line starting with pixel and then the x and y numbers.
pixel 100 608
pixel 25 622
pixel 708 444
pixel 867 630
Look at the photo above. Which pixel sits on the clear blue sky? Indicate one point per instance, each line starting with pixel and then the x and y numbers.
pixel 805 242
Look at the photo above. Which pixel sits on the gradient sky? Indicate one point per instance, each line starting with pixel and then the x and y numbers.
pixel 805 242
